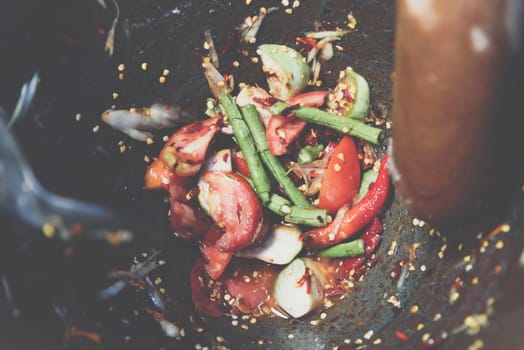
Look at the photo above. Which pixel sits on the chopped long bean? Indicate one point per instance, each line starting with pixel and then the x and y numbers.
pixel 297 215
pixel 276 168
pixel 341 124
pixel 245 140
pixel 308 216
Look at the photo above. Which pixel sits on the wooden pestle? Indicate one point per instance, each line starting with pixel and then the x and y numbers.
pixel 452 98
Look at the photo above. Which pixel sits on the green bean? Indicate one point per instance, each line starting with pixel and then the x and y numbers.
pixel 276 168
pixel 341 124
pixel 308 216
pixel 244 138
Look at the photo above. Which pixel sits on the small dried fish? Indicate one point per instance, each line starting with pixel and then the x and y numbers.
pixel 138 122
pixel 218 83
pixel 24 100
pixel 213 55
pixel 249 28
pixel 110 41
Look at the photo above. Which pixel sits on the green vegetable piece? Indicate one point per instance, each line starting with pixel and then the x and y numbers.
pixel 343 250
pixel 287 70
pixel 358 87
pixel 245 140
pixel 348 126
pixel 276 168
pixel 308 216
pixel 368 177
pixel 309 153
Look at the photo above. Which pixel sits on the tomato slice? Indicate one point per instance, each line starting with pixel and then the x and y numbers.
pixel 187 221
pixel 235 207
pixel 342 178
pixel 203 288
pixel 309 99
pixel 281 132
pixel 158 176
pixel 240 164
pixel 250 290
pixel 186 149
pixel 216 260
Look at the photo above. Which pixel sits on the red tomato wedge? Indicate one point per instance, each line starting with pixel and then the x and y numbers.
pixel 158 176
pixel 309 99
pixel 235 207
pixel 342 178
pixel 240 164
pixel 186 149
pixel 281 132
pixel 250 291
pixel 187 221
pixel 216 260
pixel 202 288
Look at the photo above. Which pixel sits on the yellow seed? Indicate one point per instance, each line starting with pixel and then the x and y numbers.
pixel 290 336
pixel 236 63
pixel 475 280
pixel 149 141
pixel 352 21
pixel 162 79
pixel 121 76
pixel 341 156
pixel 122 149
pixel 420 326
pixel 414 309
pixel 115 95
pixel 337 167
pixel 499 245
pixel 144 66
pixel 254 59
pixel 288 11
pixel 49 230
pixel 165 72
pixel 121 67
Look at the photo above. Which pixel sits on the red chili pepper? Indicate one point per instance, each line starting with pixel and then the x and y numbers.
pixel 308 42
pixel 372 237
pixel 402 336
pixel 356 218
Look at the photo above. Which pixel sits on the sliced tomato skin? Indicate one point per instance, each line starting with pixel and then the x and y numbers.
pixel 234 206
pixel 250 291
pixel 342 178
pixel 185 151
pixel 216 260
pixel 202 288
pixel 309 99
pixel 240 164
pixel 158 176
pixel 186 220
pixel 281 132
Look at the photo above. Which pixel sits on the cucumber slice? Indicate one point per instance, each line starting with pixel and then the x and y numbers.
pixel 281 245
pixel 287 70
pixel 355 85
pixel 368 177
pixel 343 250
pixel 298 288
pixel 220 161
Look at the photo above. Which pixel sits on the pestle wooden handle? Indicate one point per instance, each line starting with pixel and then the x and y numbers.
pixel 450 68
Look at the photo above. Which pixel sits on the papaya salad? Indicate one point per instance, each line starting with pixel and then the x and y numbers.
pixel 278 191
